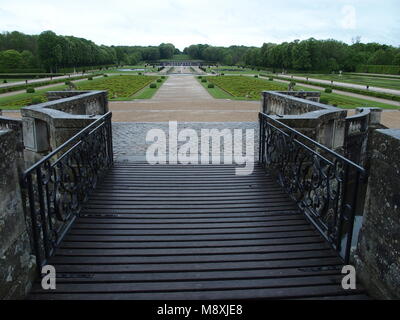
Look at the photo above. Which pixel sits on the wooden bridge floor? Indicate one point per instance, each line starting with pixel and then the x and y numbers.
pixel 193 232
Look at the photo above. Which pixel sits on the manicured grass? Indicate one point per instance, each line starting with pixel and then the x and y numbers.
pixel 18 101
pixel 346 102
pixel 361 80
pixel 218 93
pixel 147 92
pixel 118 87
pixel 12 80
pixel 245 87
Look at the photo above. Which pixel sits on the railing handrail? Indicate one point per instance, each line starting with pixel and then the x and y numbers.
pixel 58 185
pixel 68 142
pixel 320 146
pixel 325 185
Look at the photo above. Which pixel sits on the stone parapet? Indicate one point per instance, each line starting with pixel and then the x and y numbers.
pixel 17 264
pixel 377 257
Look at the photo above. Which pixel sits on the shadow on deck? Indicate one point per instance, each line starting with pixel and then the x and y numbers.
pixel 193 232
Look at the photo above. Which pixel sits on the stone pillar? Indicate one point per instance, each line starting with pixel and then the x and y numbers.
pixel 17 264
pixel 377 257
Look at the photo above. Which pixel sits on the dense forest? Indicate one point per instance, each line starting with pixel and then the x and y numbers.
pixel 54 53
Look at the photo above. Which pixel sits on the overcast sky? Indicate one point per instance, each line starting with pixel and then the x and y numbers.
pixel 216 22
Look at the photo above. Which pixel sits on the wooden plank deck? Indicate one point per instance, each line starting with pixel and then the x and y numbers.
pixel 193 232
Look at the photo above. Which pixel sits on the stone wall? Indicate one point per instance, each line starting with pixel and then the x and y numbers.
pixel 377 257
pixel 17 264
pixel 322 123
pixel 48 125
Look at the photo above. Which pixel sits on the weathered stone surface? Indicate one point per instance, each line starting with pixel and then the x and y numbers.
pixel 303 112
pixel 16 262
pixel 65 114
pixel 378 251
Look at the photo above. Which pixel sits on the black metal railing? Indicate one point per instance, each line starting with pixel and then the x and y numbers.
pixel 325 185
pixel 58 185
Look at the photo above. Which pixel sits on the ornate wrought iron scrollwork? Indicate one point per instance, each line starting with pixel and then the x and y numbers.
pixel 60 183
pixel 322 182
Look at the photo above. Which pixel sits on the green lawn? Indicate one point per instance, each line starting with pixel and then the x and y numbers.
pixel 17 101
pixel 121 87
pixel 245 87
pixel 357 79
pixel 11 80
pixel 147 92
pixel 346 102
pixel 218 93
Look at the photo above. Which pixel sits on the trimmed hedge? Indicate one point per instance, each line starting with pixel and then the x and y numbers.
pixel 30 90
pixel 153 85
pixel 13 75
pixel 381 69
pixel 328 90
pixel 210 85
pixel 86 68
pixel 159 80
pixel 25 71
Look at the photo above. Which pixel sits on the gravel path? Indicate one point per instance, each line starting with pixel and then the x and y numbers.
pixel 183 98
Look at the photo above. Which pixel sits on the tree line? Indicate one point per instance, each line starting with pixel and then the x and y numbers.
pixel 306 55
pixel 51 52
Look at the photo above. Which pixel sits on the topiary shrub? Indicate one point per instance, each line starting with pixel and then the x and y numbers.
pixel 67 82
pixel 328 90
pixel 30 90
pixel 36 100
pixel 222 74
pixel 199 77
pixel 255 76
pixel 203 80
pixel 140 73
pixel 162 77
pixel 271 79
pixel 210 85
pixel 90 78
pixel 153 86
pixel 159 80
pixel 4 81
pixel 105 75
